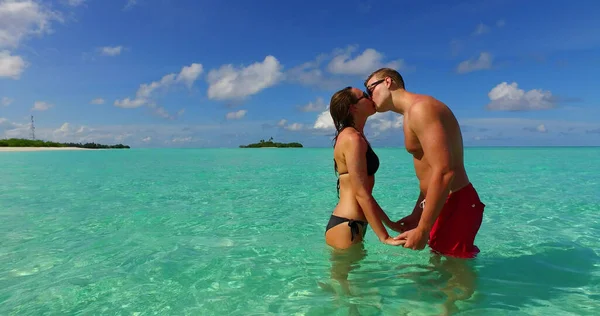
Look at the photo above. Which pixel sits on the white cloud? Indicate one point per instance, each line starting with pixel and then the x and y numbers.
pixel 11 66
pixel 522 131
pixel 481 29
pixel 483 62
pixel 64 129
pixel 130 4
pixel 541 128
pixel 42 106
pixel 186 76
pixel 236 115
pixel 111 51
pixel 324 121
pixel 128 103
pixel 385 121
pixel 317 106
pixel 75 3
pixel 68 132
pixel 12 129
pixel 310 74
pixel 18 20
pixel 189 74
pixel 6 101
pixel 162 112
pixel 182 139
pixel 377 123
pixel 231 83
pixel 508 97
pixel 365 63
pixel 21 18
pixel 500 23
pixel 294 127
pixel 339 64
pixel 131 134
pixel 515 126
pixel 6 124
pixel 306 74
pixel 97 101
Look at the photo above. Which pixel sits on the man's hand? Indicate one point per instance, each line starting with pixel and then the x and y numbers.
pixel 406 223
pixel 415 239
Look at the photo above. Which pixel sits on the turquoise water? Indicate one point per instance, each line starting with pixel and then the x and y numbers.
pixel 240 232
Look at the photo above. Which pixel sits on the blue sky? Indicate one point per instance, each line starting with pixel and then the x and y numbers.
pixel 158 73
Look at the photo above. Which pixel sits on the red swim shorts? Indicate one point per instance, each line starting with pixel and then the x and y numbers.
pixel 453 233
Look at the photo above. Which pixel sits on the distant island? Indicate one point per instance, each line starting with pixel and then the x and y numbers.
pixel 21 142
pixel 271 143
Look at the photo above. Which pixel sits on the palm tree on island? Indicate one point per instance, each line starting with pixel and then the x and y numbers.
pixel 271 144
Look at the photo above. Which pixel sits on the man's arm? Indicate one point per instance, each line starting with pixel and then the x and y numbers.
pixel 357 169
pixel 428 127
pixel 410 221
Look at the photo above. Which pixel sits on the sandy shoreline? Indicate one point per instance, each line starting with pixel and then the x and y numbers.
pixel 13 149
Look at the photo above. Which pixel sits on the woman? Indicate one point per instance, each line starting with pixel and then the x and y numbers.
pixel 356 163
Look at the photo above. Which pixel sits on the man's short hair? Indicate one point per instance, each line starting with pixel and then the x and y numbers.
pixel 387 72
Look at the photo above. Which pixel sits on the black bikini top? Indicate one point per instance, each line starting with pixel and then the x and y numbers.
pixel 372 161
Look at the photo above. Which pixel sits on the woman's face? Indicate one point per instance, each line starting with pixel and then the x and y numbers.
pixel 364 107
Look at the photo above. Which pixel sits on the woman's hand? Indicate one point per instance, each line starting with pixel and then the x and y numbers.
pixel 394 242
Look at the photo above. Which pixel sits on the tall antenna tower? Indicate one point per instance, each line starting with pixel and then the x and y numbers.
pixel 32 129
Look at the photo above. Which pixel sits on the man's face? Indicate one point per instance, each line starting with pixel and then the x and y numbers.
pixel 377 89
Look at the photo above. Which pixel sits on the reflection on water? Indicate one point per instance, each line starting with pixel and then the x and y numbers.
pixel 342 263
pixel 446 286
pixel 452 279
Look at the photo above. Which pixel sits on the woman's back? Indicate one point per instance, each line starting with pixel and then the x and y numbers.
pixel 348 140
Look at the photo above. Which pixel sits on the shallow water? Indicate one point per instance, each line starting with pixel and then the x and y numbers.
pixel 240 232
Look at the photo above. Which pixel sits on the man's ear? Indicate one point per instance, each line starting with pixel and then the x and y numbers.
pixel 389 83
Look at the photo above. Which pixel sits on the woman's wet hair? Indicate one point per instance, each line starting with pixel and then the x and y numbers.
pixel 339 108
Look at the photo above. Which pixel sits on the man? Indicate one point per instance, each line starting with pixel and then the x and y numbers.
pixel 448 212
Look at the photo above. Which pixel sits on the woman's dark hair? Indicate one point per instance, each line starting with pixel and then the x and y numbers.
pixel 339 108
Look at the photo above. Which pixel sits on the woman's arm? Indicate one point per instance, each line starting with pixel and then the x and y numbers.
pixel 355 150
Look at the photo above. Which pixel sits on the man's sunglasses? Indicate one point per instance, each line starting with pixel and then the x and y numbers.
pixel 373 85
pixel 364 96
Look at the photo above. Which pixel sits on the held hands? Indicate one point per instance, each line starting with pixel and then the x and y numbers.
pixel 415 238
pixel 393 241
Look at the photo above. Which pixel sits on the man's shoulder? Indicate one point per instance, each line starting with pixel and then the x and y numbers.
pixel 424 111
pixel 424 105
pixel 425 101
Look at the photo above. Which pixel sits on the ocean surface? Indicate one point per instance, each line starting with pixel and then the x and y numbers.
pixel 241 232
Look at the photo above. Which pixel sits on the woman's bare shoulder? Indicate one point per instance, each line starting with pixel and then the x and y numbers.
pixel 350 138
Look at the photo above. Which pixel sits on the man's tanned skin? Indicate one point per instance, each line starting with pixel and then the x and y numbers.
pixel 433 136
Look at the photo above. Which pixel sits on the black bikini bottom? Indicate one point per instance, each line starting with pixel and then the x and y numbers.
pixel 336 220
